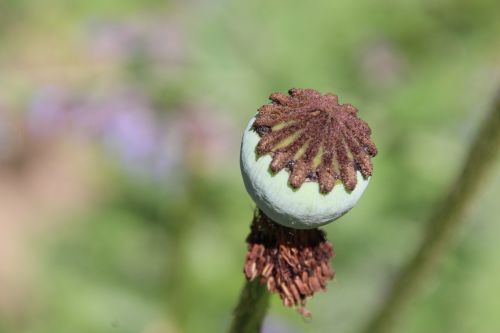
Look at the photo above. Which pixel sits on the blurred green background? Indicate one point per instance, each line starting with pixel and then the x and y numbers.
pixel 121 204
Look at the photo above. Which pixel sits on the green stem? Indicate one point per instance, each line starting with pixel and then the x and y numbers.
pixel 443 225
pixel 251 308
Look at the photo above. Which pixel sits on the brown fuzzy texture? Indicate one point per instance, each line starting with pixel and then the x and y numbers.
pixel 293 263
pixel 315 124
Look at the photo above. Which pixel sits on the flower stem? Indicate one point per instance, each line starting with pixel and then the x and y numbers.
pixel 443 225
pixel 251 309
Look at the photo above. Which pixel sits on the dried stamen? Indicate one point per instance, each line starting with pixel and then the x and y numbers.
pixel 293 263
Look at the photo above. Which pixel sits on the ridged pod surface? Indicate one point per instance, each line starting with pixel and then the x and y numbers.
pixel 305 158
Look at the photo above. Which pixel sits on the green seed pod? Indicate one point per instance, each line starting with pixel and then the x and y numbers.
pixel 305 159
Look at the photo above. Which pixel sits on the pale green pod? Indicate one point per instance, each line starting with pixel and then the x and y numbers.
pixel 301 208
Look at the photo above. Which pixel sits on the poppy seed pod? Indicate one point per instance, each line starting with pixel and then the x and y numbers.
pixel 305 158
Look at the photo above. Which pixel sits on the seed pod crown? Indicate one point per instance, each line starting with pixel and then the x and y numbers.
pixel 315 138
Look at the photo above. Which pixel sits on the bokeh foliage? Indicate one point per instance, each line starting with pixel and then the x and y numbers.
pixel 158 245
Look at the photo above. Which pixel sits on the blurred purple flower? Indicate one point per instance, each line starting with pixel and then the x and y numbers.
pixel 123 122
pixel 47 112
pixel 160 40
pixel 129 128
pixel 144 141
pixel 132 134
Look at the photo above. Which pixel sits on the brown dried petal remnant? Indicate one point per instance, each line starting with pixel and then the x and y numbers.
pixel 293 263
pixel 315 138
